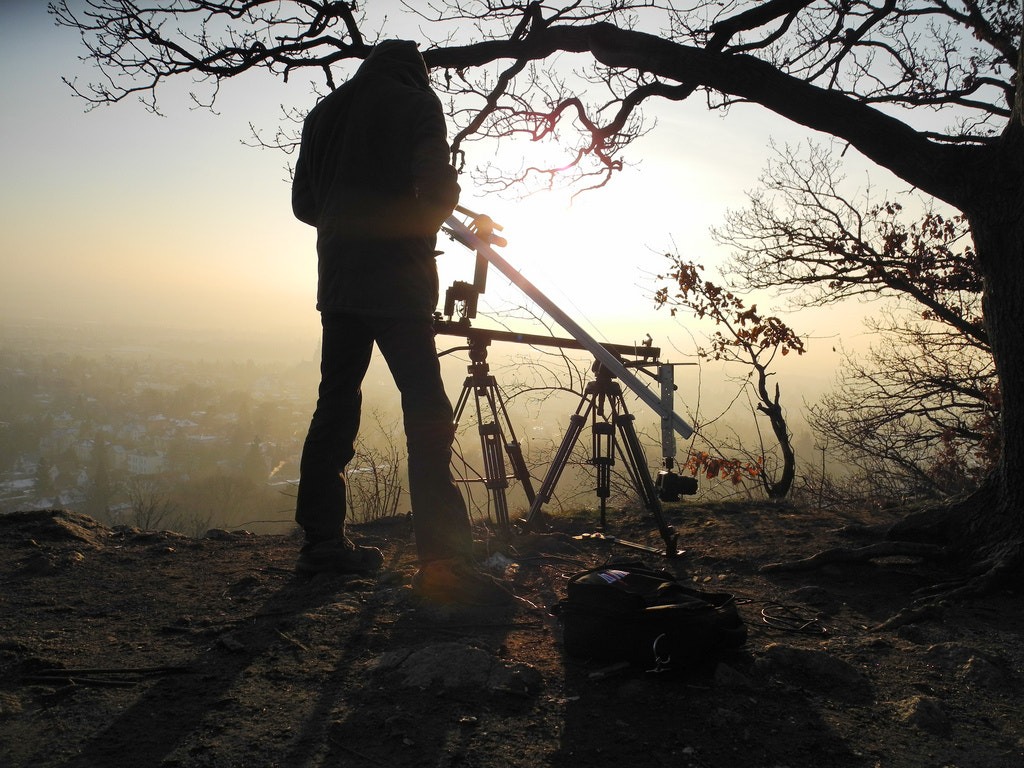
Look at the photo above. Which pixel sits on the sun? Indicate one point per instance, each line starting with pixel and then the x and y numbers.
pixel 595 253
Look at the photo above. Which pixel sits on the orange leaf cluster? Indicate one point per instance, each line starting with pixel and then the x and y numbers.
pixel 734 470
pixel 746 329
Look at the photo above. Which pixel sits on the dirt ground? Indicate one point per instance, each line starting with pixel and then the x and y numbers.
pixel 129 648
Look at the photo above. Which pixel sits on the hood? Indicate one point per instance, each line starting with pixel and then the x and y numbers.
pixel 397 59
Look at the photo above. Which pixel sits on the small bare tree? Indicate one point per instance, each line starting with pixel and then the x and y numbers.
pixel 373 479
pixel 745 337
pixel 150 503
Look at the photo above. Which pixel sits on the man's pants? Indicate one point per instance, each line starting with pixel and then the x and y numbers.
pixel 440 520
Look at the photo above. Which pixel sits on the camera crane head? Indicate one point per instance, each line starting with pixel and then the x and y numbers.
pixel 466 295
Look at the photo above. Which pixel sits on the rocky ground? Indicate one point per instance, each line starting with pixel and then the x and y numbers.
pixel 130 648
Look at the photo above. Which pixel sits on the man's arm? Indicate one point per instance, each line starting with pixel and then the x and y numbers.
pixel 435 181
pixel 304 204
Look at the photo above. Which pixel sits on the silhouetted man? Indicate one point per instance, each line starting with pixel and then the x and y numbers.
pixel 373 176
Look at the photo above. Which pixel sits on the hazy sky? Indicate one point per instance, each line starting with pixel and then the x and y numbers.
pixel 117 215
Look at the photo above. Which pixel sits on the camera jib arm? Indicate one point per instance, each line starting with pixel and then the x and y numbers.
pixel 602 402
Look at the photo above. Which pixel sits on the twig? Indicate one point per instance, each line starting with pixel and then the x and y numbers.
pixel 859 555
pixel 85 675
pixel 357 753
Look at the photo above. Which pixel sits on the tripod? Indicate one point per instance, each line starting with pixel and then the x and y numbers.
pixel 603 404
pixel 496 434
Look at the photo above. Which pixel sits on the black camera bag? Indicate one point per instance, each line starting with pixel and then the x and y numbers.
pixel 626 612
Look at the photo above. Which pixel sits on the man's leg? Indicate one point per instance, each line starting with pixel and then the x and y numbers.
pixel 443 534
pixel 439 512
pixel 320 507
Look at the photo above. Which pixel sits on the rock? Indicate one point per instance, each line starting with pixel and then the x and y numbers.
pixel 54 526
pixel 948 656
pixel 969 665
pixel 924 713
pixel 455 665
pixel 723 718
pixel 521 679
pixel 37 564
pixel 231 643
pixel 10 705
pixel 817 596
pixel 42 563
pixel 727 677
pixel 815 668
pixel 451 665
pixel 219 534
pixel 246 587
pixel 979 672
pixel 399 726
pixel 912 633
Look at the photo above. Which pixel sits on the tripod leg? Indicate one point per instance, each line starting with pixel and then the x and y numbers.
pixel 603 459
pixel 547 487
pixel 513 447
pixel 636 463
pixel 495 474
pixel 641 476
pixel 519 469
pixel 495 477
pixel 460 406
pixel 492 429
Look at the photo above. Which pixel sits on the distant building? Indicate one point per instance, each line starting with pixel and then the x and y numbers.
pixel 132 431
pixel 15 492
pixel 58 440
pixel 117 457
pixel 84 449
pixel 186 426
pixel 149 463
pixel 157 424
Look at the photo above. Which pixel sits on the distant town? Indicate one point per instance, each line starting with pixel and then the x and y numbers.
pixel 182 431
pixel 131 437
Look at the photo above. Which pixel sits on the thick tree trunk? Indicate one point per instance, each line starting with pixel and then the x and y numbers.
pixel 999 240
pixel 987 529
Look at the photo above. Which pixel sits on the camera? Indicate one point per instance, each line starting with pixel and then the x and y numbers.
pixel 670 485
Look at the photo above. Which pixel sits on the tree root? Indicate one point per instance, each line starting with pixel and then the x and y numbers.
pixel 860 555
pixel 929 611
pixel 1001 572
pixel 1001 569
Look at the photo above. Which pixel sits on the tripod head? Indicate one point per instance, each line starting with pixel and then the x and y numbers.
pixel 461 293
pixel 481 225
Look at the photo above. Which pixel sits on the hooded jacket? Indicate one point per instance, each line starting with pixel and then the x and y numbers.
pixel 373 176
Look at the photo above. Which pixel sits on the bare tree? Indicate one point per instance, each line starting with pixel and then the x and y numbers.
pixel 920 407
pixel 859 71
pixel 746 337
pixel 803 236
pixel 373 479
pixel 150 502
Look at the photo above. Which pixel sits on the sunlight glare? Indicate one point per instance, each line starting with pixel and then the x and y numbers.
pixel 594 254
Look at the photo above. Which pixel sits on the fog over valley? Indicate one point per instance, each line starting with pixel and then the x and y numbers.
pixel 188 430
